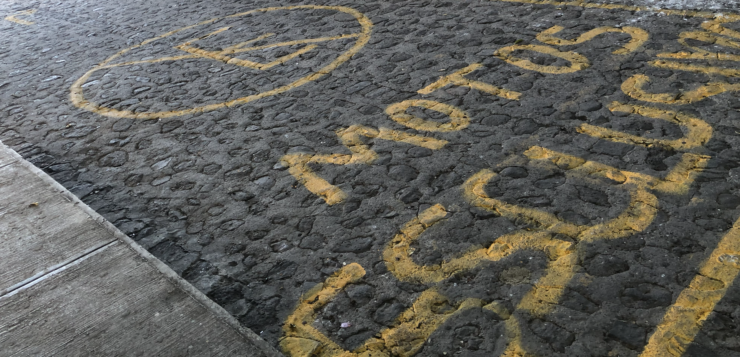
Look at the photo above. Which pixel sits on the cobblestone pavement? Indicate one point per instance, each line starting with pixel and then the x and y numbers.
pixel 430 178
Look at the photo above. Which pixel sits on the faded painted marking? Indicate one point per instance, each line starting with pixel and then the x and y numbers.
pixel 715 35
pixel 676 181
pixel 577 61
pixel 458 119
pixel 638 37
pixel 698 131
pixel 458 79
pixel 585 4
pixel 685 317
pixel 14 17
pixel 405 338
pixel 298 164
pixel 635 218
pixel 706 56
pixel 633 87
pixel 78 99
pixel 223 56
pixel 729 72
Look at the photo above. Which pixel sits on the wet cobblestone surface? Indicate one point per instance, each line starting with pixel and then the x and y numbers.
pixel 183 151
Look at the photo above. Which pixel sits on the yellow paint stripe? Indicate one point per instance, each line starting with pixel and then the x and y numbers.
pixel 638 37
pixel 684 173
pixel 458 78
pixel 14 17
pixel 685 317
pixel 729 72
pixel 716 26
pixel 577 61
pixel 298 42
pixel 409 333
pixel 351 137
pixel 676 181
pixel 596 5
pixel 635 218
pixel 633 87
pixel 705 56
pixel 706 37
pixel 698 131
pixel 298 328
pixel 459 119
pixel 156 60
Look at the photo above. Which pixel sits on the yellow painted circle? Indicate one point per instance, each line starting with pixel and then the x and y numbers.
pixel 76 90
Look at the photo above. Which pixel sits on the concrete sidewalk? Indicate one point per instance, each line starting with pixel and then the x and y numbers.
pixel 72 284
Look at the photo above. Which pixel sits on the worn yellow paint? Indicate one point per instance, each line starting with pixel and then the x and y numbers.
pixel 693 306
pixel 595 5
pixel 409 332
pixel 458 79
pixel 679 66
pixel 298 163
pixel 714 35
pixel 683 174
pixel 78 99
pixel 715 26
pixel 540 301
pixel 633 87
pixel 14 17
pixel 577 61
pixel 698 132
pixel 563 259
pixel 705 56
pixel 638 37
pixel 676 181
pixel 458 118
pixel 708 38
pixel 223 55
pixel 418 323
pixel 635 218
pixel 235 49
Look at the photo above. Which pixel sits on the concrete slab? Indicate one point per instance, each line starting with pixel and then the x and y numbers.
pixel 40 228
pixel 74 285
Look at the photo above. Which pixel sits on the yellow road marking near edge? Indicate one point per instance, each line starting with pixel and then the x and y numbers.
pixel 699 131
pixel 729 72
pixel 638 37
pixel 633 87
pixel 78 99
pixel 635 218
pixel 593 5
pixel 685 317
pixel 405 338
pixel 676 181
pixel 14 18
